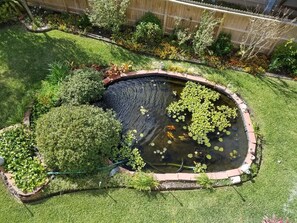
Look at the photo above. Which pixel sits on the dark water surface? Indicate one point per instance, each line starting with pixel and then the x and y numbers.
pixel 161 152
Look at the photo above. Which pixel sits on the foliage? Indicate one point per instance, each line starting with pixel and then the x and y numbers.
pixel 48 95
pixel 83 87
pixel 204 181
pixel 77 138
pixel 116 70
pixel 199 167
pixel 126 151
pixel 143 181
pixel 174 68
pixel 167 51
pixel 150 17
pixel 222 46
pixel 17 149
pixel 148 33
pixel 9 10
pixel 256 65
pixel 203 37
pixel 206 117
pixel 58 72
pixel 184 36
pixel 108 14
pixel 284 58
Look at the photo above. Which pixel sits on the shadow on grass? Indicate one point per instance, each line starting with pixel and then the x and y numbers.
pixel 24 60
pixel 278 85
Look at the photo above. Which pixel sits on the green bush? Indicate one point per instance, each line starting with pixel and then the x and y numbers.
pixel 77 138
pixel 17 149
pixel 204 181
pixel 83 87
pixel 58 72
pixel 143 181
pixel 9 10
pixel 149 34
pixel 110 14
pixel 203 37
pixel 222 46
pixel 150 17
pixel 284 58
pixel 126 151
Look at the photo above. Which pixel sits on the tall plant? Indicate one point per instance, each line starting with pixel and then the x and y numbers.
pixel 204 37
pixel 262 31
pixel 108 14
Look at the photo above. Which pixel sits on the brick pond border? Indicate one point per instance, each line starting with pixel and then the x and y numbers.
pixel 168 181
pixel 233 174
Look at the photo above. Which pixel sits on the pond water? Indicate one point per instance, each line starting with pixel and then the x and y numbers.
pixel 140 104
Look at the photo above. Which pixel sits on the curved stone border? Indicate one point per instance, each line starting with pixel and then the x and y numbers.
pixel 233 174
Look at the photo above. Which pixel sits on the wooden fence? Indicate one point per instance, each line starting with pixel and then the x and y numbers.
pixel 168 11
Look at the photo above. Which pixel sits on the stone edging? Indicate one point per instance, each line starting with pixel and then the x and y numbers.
pixel 233 174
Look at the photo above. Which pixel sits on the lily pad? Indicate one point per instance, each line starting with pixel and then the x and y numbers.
pixel 208 156
pixel 190 155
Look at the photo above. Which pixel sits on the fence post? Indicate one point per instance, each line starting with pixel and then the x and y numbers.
pixel 221 25
pixel 165 16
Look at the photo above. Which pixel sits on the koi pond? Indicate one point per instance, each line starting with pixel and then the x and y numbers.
pixel 168 137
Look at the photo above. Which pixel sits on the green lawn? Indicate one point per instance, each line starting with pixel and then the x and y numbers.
pixel 24 59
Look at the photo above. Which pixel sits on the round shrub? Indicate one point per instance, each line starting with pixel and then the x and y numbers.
pixel 284 58
pixel 83 87
pixel 150 17
pixel 77 138
pixel 222 46
pixel 149 34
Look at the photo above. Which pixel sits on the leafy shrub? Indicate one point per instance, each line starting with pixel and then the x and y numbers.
pixel 17 148
pixel 126 151
pixel 203 37
pixel 9 10
pixel 150 17
pixel 222 46
pixel 58 72
pixel 77 138
pixel 108 14
pixel 284 58
pixel 83 87
pixel 166 51
pixel 204 181
pixel 149 34
pixel 143 181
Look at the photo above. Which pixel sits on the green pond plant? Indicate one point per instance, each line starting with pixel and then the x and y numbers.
pixel 17 149
pixel 197 104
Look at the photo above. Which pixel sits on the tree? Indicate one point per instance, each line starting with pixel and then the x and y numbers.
pixel 108 14
pixel 203 37
pixel 77 138
pixel 261 32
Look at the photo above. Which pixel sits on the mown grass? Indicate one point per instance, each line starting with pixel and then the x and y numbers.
pixel 24 58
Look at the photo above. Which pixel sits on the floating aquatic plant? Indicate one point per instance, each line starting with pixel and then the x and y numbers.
pixel 142 110
pixel 206 117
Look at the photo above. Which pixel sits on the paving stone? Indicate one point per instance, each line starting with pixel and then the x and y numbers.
pixel 185 176
pixel 233 172
pixel 220 175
